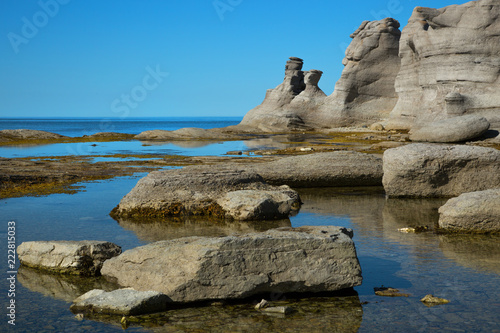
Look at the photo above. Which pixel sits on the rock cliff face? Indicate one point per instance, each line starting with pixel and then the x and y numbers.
pixel 445 63
pixel 450 64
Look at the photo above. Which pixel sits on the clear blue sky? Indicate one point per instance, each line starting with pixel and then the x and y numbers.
pixel 80 58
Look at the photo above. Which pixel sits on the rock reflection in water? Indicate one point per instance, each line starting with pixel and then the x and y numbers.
pixel 322 314
pixel 480 252
pixel 154 230
pixel 62 287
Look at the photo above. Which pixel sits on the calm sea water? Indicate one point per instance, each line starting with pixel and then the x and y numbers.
pixel 463 269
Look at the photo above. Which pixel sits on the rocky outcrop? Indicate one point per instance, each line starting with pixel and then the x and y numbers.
pixel 126 302
pixel 365 91
pixel 188 133
pixel 306 259
pixel 278 110
pixel 476 212
pixel 67 257
pixel 455 129
pixel 27 134
pixel 449 64
pixel 332 169
pixel 204 191
pixel 427 170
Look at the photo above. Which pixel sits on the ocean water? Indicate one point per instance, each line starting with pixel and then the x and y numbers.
pixel 462 269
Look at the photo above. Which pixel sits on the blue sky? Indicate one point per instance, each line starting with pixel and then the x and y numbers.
pixel 166 58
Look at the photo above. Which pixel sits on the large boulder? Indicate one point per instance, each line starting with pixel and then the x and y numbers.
pixel 332 169
pixel 449 64
pixel 205 191
pixel 306 259
pixel 455 129
pixel 475 212
pixel 127 302
pixel 67 257
pixel 430 170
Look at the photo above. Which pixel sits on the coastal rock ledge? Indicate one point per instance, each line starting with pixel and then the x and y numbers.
pixel 67 257
pixel 222 193
pixel 284 260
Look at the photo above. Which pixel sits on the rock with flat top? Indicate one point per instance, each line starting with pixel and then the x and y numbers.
pixel 450 130
pixel 27 134
pixel 475 212
pixel 127 302
pixel 67 257
pixel 285 260
pixel 432 170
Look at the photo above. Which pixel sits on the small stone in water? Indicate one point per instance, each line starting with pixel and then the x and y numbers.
pixel 430 299
pixel 262 304
pixel 389 292
pixel 279 309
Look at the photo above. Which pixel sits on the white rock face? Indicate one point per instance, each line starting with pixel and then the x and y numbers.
pixel 68 257
pixel 127 302
pixel 476 212
pixel 429 170
pixel 305 259
pixel 449 64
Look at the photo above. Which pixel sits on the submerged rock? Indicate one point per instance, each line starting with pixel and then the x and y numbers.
pixel 305 259
pixel 204 191
pixel 456 129
pixel 430 299
pixel 476 212
pixel 427 170
pixel 67 257
pixel 127 302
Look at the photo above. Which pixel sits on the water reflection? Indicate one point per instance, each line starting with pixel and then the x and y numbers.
pixel 154 230
pixel 58 286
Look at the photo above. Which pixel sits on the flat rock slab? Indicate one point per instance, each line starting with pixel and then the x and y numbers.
pixel 67 257
pixel 431 170
pixel 456 129
pixel 128 302
pixel 221 192
pixel 27 134
pixel 188 133
pixel 476 212
pixel 332 169
pixel 285 260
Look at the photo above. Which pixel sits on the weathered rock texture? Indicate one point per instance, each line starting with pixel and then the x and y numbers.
pixel 284 106
pixel 188 133
pixel 203 191
pixel 450 59
pixel 455 129
pixel 26 134
pixel 68 257
pixel 332 169
pixel 306 259
pixel 476 212
pixel 365 92
pixel 427 170
pixel 128 302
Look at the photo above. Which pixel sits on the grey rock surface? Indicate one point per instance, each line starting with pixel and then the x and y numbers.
pixel 449 64
pixel 475 212
pixel 305 259
pixel 67 257
pixel 331 169
pixel 455 129
pixel 206 191
pixel 27 134
pixel 127 302
pixel 188 133
pixel 431 170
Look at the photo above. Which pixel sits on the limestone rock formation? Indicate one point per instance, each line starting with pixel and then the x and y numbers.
pixel 475 212
pixel 278 110
pixel 455 129
pixel 26 134
pixel 205 191
pixel 332 169
pixel 285 260
pixel 430 170
pixel 126 302
pixel 68 257
pixel 365 92
pixel 450 60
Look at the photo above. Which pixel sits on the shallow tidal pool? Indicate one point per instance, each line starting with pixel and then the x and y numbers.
pixel 462 269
